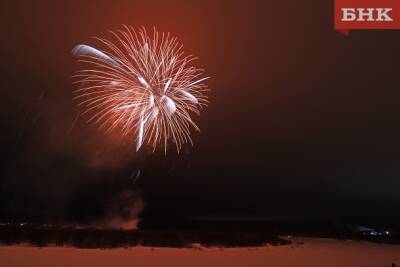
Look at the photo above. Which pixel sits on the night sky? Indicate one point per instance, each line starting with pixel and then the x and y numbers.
pixel 303 121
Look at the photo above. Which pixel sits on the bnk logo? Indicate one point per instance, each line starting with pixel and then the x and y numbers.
pixel 367 14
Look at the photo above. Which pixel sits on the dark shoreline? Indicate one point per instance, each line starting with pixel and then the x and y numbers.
pixel 43 236
pixel 205 234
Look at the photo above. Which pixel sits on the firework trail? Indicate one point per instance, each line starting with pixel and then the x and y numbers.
pixel 145 86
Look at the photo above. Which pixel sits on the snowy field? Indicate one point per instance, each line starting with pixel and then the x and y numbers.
pixel 302 252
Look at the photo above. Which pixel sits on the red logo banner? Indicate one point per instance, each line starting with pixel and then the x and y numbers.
pixel 367 14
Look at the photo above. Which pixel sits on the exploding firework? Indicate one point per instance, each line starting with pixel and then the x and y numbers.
pixel 144 86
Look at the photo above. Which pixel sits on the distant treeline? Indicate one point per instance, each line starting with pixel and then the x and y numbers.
pixel 42 236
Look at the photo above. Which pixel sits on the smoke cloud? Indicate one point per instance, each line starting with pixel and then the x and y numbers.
pixel 123 212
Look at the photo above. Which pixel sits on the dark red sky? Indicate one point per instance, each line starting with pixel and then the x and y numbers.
pixel 302 120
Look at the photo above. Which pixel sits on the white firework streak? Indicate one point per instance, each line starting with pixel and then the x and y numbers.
pixel 143 85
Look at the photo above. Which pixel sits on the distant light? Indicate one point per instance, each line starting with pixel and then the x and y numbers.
pixel 387 232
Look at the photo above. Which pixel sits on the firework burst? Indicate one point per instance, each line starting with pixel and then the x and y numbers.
pixel 144 86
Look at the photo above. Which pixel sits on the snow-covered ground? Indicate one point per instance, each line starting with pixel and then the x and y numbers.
pixel 303 252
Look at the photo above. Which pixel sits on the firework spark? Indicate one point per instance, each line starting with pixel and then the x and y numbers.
pixel 145 86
